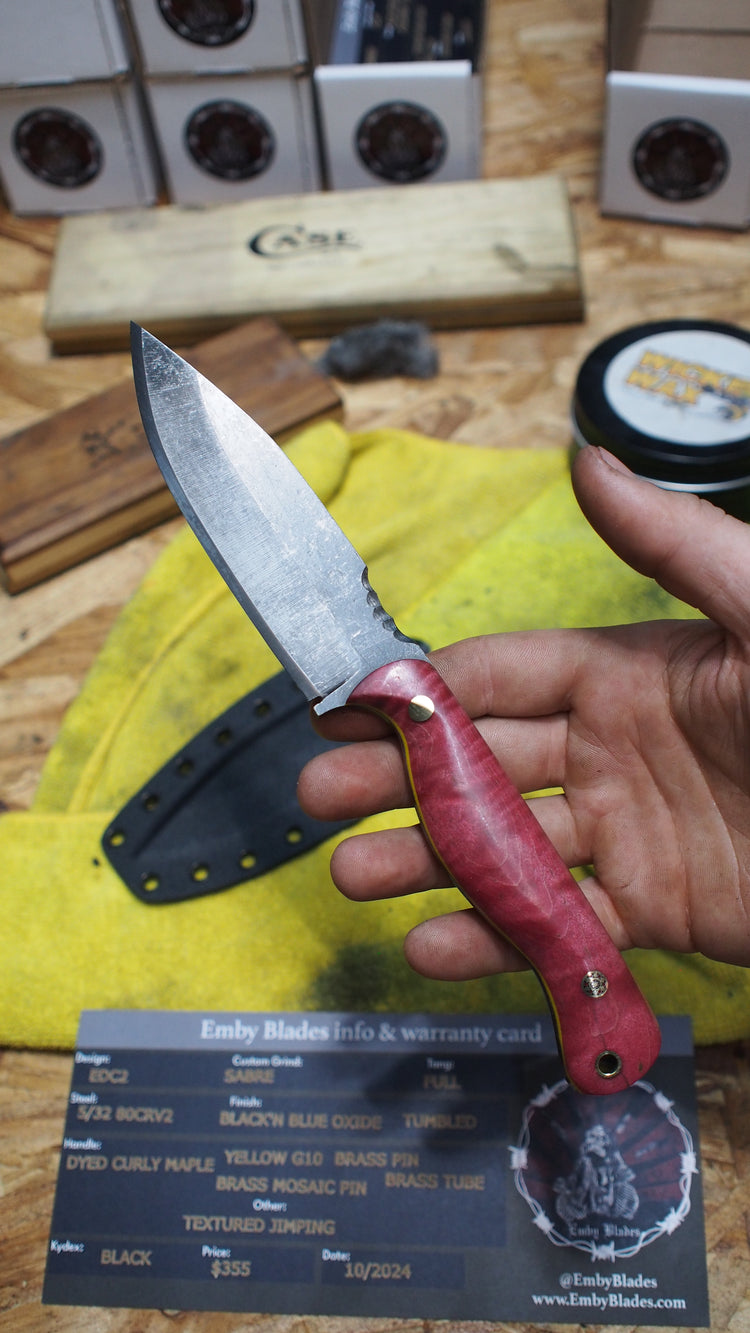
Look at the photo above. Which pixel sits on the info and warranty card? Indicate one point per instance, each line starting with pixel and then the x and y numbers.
pixel 402 1165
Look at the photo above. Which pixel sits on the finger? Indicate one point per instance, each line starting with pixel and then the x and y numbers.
pixel 356 780
pixel 462 946
pixel 349 724
pixel 391 863
pixel 367 778
pixel 522 673
pixel 690 546
pixel 388 864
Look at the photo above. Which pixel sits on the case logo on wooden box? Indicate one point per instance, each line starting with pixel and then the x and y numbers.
pixel 281 241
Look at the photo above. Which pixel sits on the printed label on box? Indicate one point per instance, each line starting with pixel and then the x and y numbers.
pixel 381 31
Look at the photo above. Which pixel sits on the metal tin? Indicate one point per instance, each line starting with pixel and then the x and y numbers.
pixel 671 399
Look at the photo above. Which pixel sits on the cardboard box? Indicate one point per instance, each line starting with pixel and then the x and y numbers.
pixel 676 145
pixel 697 15
pixel 62 41
pixel 75 148
pixel 192 37
pixel 399 92
pixel 707 55
pixel 236 137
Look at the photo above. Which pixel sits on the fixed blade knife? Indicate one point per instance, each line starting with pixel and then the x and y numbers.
pixel 307 591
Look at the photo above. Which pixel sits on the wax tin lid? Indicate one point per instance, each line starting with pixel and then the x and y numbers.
pixel 672 400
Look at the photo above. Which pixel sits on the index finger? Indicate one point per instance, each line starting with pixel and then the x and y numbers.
pixel 522 673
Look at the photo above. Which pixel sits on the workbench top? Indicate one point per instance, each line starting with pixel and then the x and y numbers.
pixel 497 388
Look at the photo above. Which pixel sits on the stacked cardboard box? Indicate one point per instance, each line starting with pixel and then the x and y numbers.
pixel 677 133
pixel 73 135
pixel 245 98
pixel 399 92
pixel 229 88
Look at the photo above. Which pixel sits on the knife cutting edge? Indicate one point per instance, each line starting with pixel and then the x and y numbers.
pixel 306 590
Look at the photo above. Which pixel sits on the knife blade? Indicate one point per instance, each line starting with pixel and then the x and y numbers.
pixel 307 591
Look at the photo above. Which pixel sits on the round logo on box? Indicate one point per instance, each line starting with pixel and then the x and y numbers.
pixel 58 147
pixel 401 142
pixel 208 22
pixel 680 159
pixel 230 140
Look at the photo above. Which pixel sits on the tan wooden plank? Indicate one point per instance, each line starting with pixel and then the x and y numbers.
pixel 473 253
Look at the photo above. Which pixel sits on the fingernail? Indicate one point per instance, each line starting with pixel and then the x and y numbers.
pixel 611 460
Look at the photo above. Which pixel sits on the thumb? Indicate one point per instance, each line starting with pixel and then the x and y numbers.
pixel 688 545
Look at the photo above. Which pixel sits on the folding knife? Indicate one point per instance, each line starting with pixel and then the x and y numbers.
pixel 307 591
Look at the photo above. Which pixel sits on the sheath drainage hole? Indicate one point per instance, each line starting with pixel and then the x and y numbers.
pixel 293 835
pixel 151 800
pixel 185 768
pixel 116 838
pixel 150 883
pixel 223 737
pixel 262 709
pixel 200 873
pixel 247 861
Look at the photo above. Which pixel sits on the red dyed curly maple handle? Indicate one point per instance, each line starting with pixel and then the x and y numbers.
pixel 501 860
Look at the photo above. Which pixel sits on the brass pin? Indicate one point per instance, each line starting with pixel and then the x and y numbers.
pixel 594 984
pixel 421 708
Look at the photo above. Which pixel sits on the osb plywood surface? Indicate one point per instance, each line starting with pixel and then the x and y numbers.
pixel 497 388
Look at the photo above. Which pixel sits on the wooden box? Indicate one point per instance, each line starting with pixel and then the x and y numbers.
pixel 456 255
pixel 84 479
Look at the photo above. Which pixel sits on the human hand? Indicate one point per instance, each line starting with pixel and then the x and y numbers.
pixel 645 727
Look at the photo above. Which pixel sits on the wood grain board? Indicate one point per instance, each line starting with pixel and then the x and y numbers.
pixel 80 481
pixel 498 386
pixel 459 255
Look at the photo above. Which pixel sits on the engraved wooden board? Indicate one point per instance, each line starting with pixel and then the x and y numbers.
pixel 84 479
pixel 458 255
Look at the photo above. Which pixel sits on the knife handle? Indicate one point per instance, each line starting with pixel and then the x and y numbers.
pixel 499 857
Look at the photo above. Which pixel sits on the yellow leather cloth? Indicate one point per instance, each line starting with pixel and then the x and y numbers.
pixel 459 541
